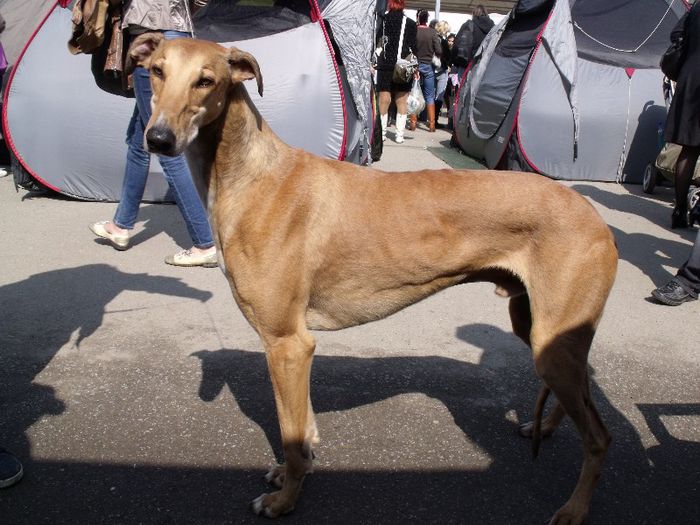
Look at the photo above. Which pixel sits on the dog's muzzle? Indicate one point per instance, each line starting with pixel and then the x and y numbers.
pixel 161 140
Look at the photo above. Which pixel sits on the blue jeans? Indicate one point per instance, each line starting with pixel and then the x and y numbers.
pixel 440 85
pixel 175 169
pixel 427 80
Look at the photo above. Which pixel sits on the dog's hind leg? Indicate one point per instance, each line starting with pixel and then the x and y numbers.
pixel 562 364
pixel 521 319
pixel 289 361
pixel 547 425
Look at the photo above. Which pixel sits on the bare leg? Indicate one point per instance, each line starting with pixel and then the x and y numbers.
pixel 384 103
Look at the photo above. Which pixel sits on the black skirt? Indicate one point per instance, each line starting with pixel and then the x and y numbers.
pixel 385 82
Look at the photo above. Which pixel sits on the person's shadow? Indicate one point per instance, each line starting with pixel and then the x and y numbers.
pixel 486 401
pixel 41 314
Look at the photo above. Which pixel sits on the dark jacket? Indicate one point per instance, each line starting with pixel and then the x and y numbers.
pixel 469 38
pixel 445 57
pixel 683 120
pixel 388 32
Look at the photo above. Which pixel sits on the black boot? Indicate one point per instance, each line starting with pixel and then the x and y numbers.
pixel 679 219
pixel 694 215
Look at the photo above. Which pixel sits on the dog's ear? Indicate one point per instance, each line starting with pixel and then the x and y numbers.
pixel 244 67
pixel 141 49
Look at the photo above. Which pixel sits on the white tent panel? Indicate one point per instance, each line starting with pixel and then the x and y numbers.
pixel 545 122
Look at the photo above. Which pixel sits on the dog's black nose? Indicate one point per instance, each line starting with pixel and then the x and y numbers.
pixel 160 140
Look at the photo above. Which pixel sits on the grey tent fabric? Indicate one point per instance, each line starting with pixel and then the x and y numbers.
pixel 572 92
pixel 22 19
pixel 69 135
pixel 352 31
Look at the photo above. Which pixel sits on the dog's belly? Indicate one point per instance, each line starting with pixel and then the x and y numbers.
pixel 346 305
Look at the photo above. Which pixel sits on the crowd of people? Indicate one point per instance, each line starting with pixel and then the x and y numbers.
pixel 442 58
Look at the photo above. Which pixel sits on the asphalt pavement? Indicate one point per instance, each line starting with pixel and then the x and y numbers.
pixel 135 392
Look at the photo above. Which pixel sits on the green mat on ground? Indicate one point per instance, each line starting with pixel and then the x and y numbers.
pixel 456 159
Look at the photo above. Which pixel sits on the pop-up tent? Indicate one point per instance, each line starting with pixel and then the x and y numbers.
pixel 314 56
pixel 569 88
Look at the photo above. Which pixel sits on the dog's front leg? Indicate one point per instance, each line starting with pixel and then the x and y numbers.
pixel 289 361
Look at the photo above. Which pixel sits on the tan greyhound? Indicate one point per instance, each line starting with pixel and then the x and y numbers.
pixel 308 243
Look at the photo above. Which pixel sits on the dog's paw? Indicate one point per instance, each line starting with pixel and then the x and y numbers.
pixel 270 505
pixel 569 515
pixel 275 476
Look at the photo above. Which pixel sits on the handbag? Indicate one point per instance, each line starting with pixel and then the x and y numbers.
pixel 108 61
pixel 405 68
pixel 674 57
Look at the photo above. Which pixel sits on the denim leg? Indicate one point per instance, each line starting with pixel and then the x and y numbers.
pixel 427 82
pixel 440 85
pixel 175 169
pixel 135 175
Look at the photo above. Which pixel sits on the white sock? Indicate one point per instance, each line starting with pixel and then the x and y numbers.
pixel 385 124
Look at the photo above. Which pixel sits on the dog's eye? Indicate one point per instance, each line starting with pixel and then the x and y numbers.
pixel 157 72
pixel 205 83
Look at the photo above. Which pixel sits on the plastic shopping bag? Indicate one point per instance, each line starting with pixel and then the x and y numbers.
pixel 415 103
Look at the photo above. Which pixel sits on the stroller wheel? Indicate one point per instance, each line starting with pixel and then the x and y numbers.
pixel 693 197
pixel 649 179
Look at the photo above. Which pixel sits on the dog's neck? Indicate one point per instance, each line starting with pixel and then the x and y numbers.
pixel 238 147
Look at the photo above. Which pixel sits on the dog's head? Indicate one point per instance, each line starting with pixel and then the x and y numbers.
pixel 191 82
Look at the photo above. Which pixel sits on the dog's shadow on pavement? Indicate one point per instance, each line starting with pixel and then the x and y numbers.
pixel 513 489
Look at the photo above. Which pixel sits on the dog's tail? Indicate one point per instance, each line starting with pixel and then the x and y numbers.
pixel 537 422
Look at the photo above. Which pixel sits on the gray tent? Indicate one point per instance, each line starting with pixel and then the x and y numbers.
pixel 314 56
pixel 569 88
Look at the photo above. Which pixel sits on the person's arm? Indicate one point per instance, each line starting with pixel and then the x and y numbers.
pixel 410 37
pixel 437 45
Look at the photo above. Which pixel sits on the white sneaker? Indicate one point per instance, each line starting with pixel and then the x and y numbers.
pixel 118 242
pixel 189 258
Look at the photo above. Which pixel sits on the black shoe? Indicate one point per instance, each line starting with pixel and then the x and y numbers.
pixel 679 219
pixel 673 294
pixel 694 215
pixel 10 469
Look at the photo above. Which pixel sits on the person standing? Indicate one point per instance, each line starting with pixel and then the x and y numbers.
pixel 173 19
pixel 428 45
pixel 683 120
pixel 469 38
pixel 396 35
pixel 441 74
